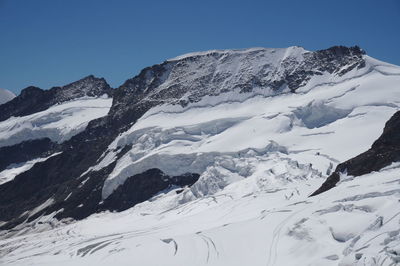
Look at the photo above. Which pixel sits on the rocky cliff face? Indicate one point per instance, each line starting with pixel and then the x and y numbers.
pixel 68 179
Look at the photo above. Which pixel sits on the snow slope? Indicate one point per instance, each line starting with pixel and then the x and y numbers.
pixel 239 225
pixel 5 96
pixel 59 122
pixel 323 123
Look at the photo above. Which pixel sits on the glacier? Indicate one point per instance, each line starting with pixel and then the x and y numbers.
pixel 248 222
pixel 313 125
pixel 58 123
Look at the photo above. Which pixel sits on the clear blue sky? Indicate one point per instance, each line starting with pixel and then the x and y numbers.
pixel 53 42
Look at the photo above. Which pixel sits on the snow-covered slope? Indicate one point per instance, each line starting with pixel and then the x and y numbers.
pixel 214 134
pixel 5 96
pixel 59 122
pixel 262 129
pixel 33 99
pixel 354 224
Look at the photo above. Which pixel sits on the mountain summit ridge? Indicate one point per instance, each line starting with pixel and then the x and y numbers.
pixel 188 79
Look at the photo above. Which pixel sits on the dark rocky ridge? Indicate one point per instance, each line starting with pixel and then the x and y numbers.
pixel 26 151
pixel 384 151
pixel 62 176
pixel 33 99
pixel 139 187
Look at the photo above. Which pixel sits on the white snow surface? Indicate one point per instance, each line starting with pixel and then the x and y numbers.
pixel 259 156
pixel 59 122
pixel 329 120
pixel 253 221
pixel 6 95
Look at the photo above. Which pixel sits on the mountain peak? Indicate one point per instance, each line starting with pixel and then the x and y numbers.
pixel 87 86
pixel 191 77
pixel 33 99
pixel 344 50
pixel 30 91
pixel 6 95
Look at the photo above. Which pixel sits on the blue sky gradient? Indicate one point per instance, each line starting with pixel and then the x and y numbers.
pixel 50 43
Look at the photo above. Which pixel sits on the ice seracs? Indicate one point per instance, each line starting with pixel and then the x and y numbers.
pixel 249 221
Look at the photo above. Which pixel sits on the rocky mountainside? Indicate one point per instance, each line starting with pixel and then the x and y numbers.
pixel 191 77
pixel 200 131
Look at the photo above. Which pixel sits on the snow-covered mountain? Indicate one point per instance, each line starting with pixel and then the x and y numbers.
pixel 209 158
pixel 58 123
pixel 6 95
pixel 33 99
